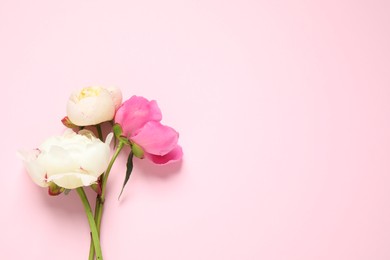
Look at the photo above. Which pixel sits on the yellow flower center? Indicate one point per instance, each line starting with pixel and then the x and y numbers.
pixel 89 92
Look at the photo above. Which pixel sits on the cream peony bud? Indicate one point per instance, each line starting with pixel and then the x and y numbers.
pixel 93 105
pixel 70 161
pixel 116 95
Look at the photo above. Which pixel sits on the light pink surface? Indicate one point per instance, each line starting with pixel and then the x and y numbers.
pixel 283 110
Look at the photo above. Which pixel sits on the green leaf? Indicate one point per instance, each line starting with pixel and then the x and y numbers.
pixel 128 171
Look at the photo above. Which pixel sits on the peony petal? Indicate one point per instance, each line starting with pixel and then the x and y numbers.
pixel 175 155
pixel 34 169
pixel 59 160
pixel 116 95
pixel 72 180
pixel 157 139
pixel 109 138
pixel 135 113
pixel 95 158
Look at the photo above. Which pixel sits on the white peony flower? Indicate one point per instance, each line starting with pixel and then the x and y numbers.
pixel 70 161
pixel 93 105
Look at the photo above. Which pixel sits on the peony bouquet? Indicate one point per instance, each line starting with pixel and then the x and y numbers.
pixel 78 159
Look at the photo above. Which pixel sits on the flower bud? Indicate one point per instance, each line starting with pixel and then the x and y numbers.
pixel 93 105
pixel 54 189
pixel 137 151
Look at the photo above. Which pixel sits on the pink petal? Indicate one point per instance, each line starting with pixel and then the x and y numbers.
pixel 175 155
pixel 156 138
pixel 135 112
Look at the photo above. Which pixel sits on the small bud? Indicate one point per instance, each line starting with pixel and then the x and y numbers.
pixel 137 150
pixel 66 122
pixel 54 189
pixel 117 129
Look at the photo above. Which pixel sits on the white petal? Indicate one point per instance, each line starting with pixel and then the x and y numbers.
pixel 95 158
pixel 34 169
pixel 87 133
pixel 109 139
pixel 72 180
pixel 116 95
pixel 59 160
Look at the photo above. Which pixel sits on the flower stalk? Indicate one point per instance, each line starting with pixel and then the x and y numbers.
pixel 92 224
pixel 101 198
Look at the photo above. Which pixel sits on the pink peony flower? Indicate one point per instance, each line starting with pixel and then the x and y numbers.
pixel 140 121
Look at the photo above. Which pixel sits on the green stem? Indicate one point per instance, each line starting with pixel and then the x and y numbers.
pixel 92 224
pixel 105 176
pixel 91 250
pixel 100 133
pixel 100 198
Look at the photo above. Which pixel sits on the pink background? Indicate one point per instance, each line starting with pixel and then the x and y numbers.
pixel 283 110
